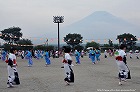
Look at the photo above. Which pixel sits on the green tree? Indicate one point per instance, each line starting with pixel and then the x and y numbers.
pixel 11 35
pixel 43 47
pixel 79 47
pixel 6 46
pixel 110 43
pixel 50 47
pixel 106 45
pixel 128 39
pixel 40 47
pixel 73 39
pixel 92 44
pixel 116 46
pixel 24 44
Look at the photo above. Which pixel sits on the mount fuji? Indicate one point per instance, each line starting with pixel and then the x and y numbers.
pixel 100 25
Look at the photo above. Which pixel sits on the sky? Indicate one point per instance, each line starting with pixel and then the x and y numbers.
pixel 35 17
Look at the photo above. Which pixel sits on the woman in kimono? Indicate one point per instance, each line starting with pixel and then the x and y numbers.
pixel 47 58
pixel 137 53
pixel 12 69
pixel 105 54
pixel 4 54
pixel 92 55
pixel 38 54
pixel 77 56
pixel 22 54
pixel 67 66
pixel 29 58
pixel 98 53
pixel 42 53
pixel 82 53
pixel 122 65
pixel 130 53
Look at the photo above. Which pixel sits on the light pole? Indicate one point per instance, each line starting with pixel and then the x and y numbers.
pixel 131 44
pixel 58 19
pixel 47 41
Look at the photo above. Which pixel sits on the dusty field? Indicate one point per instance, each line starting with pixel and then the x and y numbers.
pixel 101 77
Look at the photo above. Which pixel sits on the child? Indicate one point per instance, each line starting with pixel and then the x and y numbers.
pixel 67 66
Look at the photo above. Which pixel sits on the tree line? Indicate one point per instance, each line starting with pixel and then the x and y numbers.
pixel 13 35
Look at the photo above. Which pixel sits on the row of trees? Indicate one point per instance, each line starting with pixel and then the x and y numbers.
pixel 126 38
pixel 14 35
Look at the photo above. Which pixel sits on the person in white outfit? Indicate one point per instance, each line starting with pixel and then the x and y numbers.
pixel 122 65
pixel 12 69
pixel 105 53
pixel 67 66
pixel 137 54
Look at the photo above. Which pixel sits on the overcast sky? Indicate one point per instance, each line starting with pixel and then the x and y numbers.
pixel 35 19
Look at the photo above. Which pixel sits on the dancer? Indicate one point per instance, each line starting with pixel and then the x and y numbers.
pixel 110 52
pixel 67 66
pixel 122 65
pixel 4 54
pixel 12 69
pixel 38 54
pixel 130 53
pixel 82 53
pixel 98 53
pixel 22 54
pixel 137 53
pixel 105 53
pixel 77 56
pixel 42 53
pixel 47 58
pixel 63 55
pixel 92 55
pixel 29 58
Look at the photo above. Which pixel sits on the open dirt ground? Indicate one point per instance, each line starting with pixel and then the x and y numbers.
pixel 101 77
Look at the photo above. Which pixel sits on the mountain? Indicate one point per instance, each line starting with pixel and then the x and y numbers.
pixel 100 25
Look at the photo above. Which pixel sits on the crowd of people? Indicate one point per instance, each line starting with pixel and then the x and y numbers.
pixel 94 56
pixel 131 54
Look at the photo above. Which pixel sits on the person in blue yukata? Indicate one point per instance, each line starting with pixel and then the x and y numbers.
pixel 4 54
pixel 77 56
pixel 47 58
pixel 38 54
pixel 98 53
pixel 92 55
pixel 29 58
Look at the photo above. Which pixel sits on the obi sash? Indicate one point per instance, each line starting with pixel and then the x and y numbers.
pixel 119 58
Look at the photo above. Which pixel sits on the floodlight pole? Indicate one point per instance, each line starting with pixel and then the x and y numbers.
pixel 58 19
